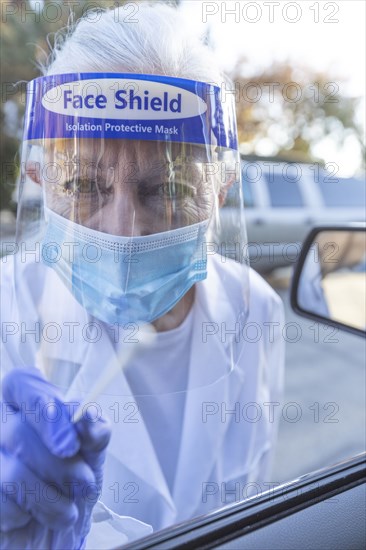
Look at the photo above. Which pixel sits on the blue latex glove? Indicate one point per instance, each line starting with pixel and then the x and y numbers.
pixel 51 469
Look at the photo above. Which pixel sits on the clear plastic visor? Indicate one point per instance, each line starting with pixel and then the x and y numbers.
pixel 130 188
pixel 127 232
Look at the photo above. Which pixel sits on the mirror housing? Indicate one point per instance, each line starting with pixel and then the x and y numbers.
pixel 329 281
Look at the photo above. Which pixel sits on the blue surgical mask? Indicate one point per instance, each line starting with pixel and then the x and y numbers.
pixel 125 279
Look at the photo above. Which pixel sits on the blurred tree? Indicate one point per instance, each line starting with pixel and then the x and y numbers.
pixel 287 111
pixel 28 30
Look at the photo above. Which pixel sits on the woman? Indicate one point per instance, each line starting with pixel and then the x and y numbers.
pixel 135 155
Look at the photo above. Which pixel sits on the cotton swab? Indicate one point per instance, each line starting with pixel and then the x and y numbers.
pixel 148 335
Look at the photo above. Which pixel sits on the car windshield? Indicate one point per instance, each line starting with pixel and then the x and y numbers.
pixel 248 177
pixel 284 192
pixel 350 192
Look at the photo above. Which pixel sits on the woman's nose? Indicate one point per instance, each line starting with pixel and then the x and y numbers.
pixel 122 216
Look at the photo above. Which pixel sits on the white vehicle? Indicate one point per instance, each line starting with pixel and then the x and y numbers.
pixel 283 201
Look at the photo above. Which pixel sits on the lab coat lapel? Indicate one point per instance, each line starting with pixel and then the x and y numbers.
pixel 130 443
pixel 60 358
pixel 204 429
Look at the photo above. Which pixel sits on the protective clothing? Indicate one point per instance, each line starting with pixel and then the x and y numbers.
pixel 227 435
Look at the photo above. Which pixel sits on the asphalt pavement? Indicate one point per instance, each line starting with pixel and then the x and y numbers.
pixel 323 414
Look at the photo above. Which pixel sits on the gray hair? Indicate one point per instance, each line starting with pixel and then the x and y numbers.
pixel 155 40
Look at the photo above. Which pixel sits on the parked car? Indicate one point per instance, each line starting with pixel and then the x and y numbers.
pixel 284 200
pixel 321 509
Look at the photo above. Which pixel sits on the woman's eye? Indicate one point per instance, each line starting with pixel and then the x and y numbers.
pixel 179 191
pixel 167 190
pixel 84 187
pixel 185 190
pixel 75 187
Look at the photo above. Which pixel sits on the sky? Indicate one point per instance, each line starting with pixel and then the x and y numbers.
pixel 336 42
pixel 326 36
pixel 323 35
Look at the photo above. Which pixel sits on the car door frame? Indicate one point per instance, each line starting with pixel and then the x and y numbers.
pixel 234 525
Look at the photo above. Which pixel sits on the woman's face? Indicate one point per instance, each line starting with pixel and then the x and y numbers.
pixel 129 188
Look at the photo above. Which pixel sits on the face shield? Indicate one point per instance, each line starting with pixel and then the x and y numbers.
pixel 140 205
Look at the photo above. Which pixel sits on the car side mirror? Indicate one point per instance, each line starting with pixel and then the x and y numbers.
pixel 329 282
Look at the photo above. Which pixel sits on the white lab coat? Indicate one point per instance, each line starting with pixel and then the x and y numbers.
pixel 220 453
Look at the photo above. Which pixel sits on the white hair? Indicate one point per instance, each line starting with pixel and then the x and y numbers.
pixel 155 40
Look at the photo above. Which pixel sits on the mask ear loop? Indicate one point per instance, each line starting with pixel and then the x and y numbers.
pixel 170 204
pixel 72 166
pixel 96 168
pixel 31 171
pixel 214 184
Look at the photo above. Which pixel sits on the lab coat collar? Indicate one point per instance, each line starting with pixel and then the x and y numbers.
pixel 204 428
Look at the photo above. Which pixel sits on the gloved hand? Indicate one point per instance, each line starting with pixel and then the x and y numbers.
pixel 51 469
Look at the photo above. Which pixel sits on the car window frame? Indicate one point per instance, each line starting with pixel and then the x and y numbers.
pixel 233 521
